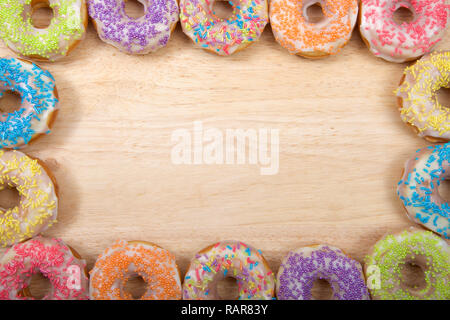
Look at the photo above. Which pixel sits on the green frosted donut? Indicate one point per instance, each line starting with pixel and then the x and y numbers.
pixel 64 32
pixel 423 248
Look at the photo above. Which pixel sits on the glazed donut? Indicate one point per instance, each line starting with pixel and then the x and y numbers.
pixel 386 260
pixel 229 259
pixel 39 105
pixel 38 206
pixel 416 96
pixel 124 260
pixel 419 188
pixel 300 268
pixel 406 42
pixel 59 263
pixel 223 36
pixel 134 36
pixel 294 30
pixel 65 31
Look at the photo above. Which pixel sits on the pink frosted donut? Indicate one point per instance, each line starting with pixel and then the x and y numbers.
pixel 407 41
pixel 58 262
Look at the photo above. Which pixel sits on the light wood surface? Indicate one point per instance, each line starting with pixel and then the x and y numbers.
pixel 342 148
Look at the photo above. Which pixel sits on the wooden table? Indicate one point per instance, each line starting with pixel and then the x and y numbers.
pixel 342 147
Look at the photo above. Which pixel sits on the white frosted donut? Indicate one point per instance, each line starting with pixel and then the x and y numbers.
pixel 38 206
pixel 409 40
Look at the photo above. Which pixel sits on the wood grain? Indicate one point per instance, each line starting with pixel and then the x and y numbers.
pixel 342 148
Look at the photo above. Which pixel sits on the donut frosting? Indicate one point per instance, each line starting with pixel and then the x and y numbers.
pixel 38 206
pixel 419 188
pixel 134 36
pixel 391 253
pixel 409 40
pixel 124 260
pixel 420 106
pixel 223 36
pixel 229 259
pixel 293 30
pixel 39 102
pixel 66 28
pixel 302 267
pixel 53 259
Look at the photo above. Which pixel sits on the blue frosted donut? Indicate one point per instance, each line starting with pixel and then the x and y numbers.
pixel 39 102
pixel 302 267
pixel 419 188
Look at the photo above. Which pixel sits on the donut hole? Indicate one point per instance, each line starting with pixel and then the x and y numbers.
pixel 136 286
pixel 403 15
pixel 228 289
pixel 10 101
pixel 314 13
pixel 321 290
pixel 39 287
pixel 444 189
pixel 443 97
pixel 222 9
pixel 41 14
pixel 9 198
pixel 134 9
pixel 413 276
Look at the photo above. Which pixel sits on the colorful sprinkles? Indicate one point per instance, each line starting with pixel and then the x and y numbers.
pixel 223 36
pixel 419 188
pixel 126 259
pixel 420 106
pixel 409 40
pixel 52 43
pixel 229 259
pixel 37 90
pixel 135 36
pixel 292 29
pixel 392 252
pixel 53 259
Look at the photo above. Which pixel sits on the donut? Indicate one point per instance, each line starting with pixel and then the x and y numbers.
pixel 417 100
pixel 223 36
pixel 386 260
pixel 407 41
pixel 65 31
pixel 55 260
pixel 294 30
pixel 302 267
pixel 229 259
pixel 134 36
pixel 126 259
pixel 39 105
pixel 38 206
pixel 418 188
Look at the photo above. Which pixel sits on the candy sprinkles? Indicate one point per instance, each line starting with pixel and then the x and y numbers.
pixel 406 41
pixel 39 105
pixel 223 36
pixel 229 259
pixel 417 96
pixel 66 29
pixel 384 266
pixel 419 188
pixel 134 36
pixel 302 267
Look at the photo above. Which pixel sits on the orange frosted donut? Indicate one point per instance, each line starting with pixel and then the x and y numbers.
pixel 124 260
pixel 294 29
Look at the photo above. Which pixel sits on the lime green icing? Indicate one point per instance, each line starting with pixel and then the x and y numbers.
pixel 21 36
pixel 393 251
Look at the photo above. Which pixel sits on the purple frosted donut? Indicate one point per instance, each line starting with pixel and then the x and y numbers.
pixel 300 268
pixel 134 36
